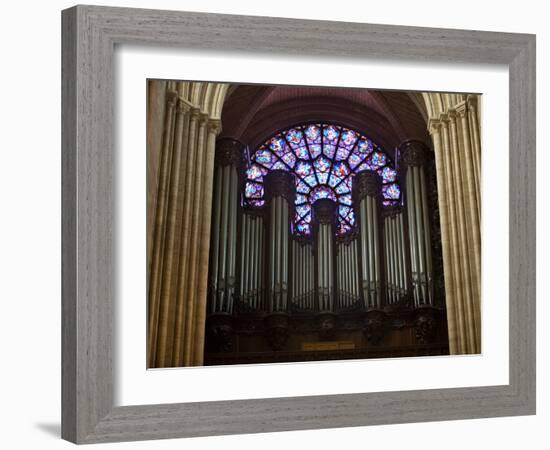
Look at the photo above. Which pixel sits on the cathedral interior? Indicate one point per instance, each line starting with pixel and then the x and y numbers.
pixel 298 223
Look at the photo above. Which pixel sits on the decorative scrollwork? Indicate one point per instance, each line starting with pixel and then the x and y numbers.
pixel 413 153
pixel 280 182
pixel 375 326
pixel 229 151
pixel 367 183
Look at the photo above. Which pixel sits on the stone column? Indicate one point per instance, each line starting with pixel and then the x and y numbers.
pixel 366 193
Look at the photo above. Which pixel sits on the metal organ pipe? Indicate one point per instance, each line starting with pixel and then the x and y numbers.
pixel 414 157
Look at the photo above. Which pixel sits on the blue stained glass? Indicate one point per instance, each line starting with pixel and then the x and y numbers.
pixel 302 152
pixel 331 134
pixel 329 150
pixel 311 180
pixel 322 164
pixel 279 165
pixel 344 227
pixel 256 172
pixel 343 188
pixel 344 210
pixel 302 188
pixel 300 199
pixel 391 191
pixel 348 139
pixel 315 150
pixel 303 228
pixel 321 192
pixel 340 170
pixel 277 144
pixel 264 157
pixel 342 153
pixel 323 177
pixel 308 151
pixel 345 199
pixel 295 137
pixel 388 174
pixel 313 134
pixel 256 203
pixel 289 159
pixel 253 190
pixel 302 210
pixel 303 169
pixel 354 159
pixel 364 147
pixel 377 159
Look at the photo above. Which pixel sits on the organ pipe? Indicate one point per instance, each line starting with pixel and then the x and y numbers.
pixel 414 160
pixel 366 191
pixel 224 227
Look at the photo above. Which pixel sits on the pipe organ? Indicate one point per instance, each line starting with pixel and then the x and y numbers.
pixel 261 267
pixel 414 160
pixel 303 289
pixel 366 190
pixel 395 255
pixel 224 228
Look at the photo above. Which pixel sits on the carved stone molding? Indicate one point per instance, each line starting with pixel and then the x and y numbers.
pixel 219 329
pixel 280 182
pixel 229 151
pixel 366 183
pixel 375 326
pixel 413 153
pixel 324 211
pixel 277 331
pixel 426 324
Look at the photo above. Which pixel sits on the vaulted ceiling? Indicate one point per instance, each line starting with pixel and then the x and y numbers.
pixel 252 113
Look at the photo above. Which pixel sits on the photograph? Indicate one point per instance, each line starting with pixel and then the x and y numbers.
pixel 310 223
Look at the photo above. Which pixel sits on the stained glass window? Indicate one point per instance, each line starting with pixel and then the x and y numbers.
pixel 323 158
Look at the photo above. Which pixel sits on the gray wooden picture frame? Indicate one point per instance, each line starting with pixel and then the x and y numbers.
pixel 90 34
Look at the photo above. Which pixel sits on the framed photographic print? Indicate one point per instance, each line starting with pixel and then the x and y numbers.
pixel 266 230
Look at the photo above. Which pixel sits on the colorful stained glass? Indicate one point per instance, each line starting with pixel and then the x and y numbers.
pixel 348 139
pixel 388 174
pixel 377 159
pixel 331 134
pixel 302 152
pixel 329 150
pixel 345 199
pixel 303 169
pixel 295 137
pixel 313 134
pixel 322 164
pixel 315 151
pixel 264 157
pixel 256 172
pixel 278 145
pixel 311 180
pixel 324 159
pixel 322 177
pixel 321 192
pixel 253 190
pixel 342 153
pixel 391 191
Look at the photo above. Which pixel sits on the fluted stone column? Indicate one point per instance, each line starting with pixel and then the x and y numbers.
pixel 324 217
pixel 457 150
pixel 414 160
pixel 366 193
pixel 280 194
pixel 177 281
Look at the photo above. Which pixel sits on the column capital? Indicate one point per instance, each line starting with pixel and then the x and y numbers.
pixel 215 126
pixel 413 153
pixel 366 183
pixel 280 182
pixel 183 106
pixel 324 211
pixel 434 125
pixel 461 109
pixel 171 97
pixel 228 151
